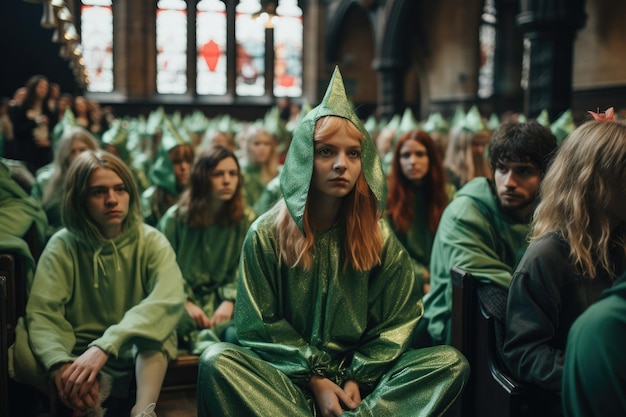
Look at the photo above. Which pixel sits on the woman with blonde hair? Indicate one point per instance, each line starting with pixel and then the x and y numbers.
pixel 261 163
pixel 49 181
pixel 465 154
pixel 577 247
pixel 326 299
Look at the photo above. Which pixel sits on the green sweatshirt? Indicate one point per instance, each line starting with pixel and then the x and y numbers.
pixel 476 235
pixel 121 293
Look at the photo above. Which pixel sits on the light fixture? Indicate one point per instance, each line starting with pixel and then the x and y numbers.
pixel 267 15
pixel 48 21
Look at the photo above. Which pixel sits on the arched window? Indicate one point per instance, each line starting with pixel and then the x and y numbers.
pixel 97 42
pixel 204 48
pixel 487 36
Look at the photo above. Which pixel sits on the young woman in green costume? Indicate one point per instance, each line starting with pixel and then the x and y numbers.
pixel 105 300
pixel 326 300
pixel 206 229
pixel 418 193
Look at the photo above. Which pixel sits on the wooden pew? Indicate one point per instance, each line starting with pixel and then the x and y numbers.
pixel 491 391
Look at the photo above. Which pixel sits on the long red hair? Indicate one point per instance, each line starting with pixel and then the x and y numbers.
pixel 401 189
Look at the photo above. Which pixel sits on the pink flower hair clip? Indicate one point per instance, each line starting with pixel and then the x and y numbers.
pixel 607 116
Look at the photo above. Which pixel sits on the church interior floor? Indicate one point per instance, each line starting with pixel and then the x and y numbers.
pixel 177 403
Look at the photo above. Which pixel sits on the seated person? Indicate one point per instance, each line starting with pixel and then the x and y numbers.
pixel 106 297
pixel 49 181
pixel 484 229
pixel 418 194
pixel 578 244
pixel 261 164
pixel 206 229
pixel 594 372
pixel 169 175
pixel 326 300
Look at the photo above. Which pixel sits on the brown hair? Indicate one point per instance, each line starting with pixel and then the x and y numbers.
pixel 196 199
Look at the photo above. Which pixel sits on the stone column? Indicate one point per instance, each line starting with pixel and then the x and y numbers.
pixel 549 28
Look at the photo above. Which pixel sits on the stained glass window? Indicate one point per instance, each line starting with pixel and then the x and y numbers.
pixel 97 42
pixel 288 50
pixel 171 34
pixel 250 37
pixel 487 36
pixel 211 46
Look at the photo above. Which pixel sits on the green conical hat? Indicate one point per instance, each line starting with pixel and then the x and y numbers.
pixel 458 117
pixel 435 123
pixel 544 118
pixel 295 177
pixel 521 118
pixel 563 126
pixel 155 120
pixel 172 135
pixel 371 125
pixel 394 123
pixel 473 121
pixel 68 121
pixel 117 136
pixel 494 122
pixel 162 171
pixel 407 122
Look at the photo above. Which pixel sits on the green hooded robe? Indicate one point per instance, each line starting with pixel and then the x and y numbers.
pixel 328 321
pixel 209 260
pixel 474 234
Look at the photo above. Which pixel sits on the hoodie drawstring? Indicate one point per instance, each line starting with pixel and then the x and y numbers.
pixel 97 263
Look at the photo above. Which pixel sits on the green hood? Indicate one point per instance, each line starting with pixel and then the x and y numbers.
pixel 117 136
pixel 68 121
pixel 162 171
pixel 295 177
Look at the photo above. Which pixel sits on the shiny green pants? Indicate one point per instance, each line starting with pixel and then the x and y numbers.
pixel 234 381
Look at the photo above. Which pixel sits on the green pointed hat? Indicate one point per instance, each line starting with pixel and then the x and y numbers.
pixel 295 177
pixel 563 126
pixel 473 121
pixel 435 123
pixel 458 117
pixel 521 118
pixel 544 118
pixel 155 119
pixel 68 121
pixel 162 171
pixel 117 136
pixel 371 125
pixel 494 122
pixel 407 122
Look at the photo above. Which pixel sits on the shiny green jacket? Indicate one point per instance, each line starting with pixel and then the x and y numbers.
pixel 328 321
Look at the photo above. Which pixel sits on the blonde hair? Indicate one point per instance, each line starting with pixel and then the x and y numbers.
pixel 61 159
pixel 359 218
pixel 460 159
pixel 586 175
pixel 269 169
pixel 73 210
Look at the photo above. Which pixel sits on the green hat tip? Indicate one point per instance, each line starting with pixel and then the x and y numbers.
pixel 494 122
pixel 473 121
pixel 407 122
pixel 521 118
pixel 544 118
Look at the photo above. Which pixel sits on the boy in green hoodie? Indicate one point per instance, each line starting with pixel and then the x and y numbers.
pixel 106 296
